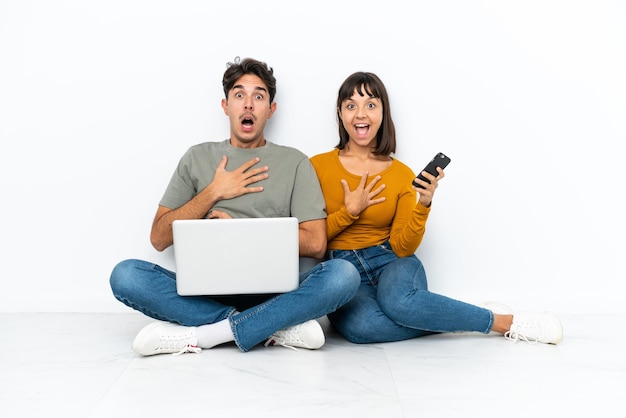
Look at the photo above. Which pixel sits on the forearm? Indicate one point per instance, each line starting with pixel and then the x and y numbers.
pixel 338 221
pixel 406 235
pixel 312 238
pixel 161 235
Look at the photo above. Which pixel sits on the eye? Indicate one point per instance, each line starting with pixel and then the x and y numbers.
pixel 350 106
pixel 239 95
pixel 259 97
pixel 371 105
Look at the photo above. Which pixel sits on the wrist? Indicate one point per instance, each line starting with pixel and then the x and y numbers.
pixel 353 217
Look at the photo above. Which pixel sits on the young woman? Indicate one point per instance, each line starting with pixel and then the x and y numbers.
pixel 376 221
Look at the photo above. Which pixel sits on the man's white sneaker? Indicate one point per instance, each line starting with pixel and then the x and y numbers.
pixel 166 338
pixel 542 327
pixel 306 335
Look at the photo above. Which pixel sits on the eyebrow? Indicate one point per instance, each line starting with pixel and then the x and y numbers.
pixel 257 88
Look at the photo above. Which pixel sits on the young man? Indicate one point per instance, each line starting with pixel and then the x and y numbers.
pixel 243 176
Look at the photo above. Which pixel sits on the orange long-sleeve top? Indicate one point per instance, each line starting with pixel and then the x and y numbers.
pixel 401 219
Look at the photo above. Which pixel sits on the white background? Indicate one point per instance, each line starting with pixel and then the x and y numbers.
pixel 99 99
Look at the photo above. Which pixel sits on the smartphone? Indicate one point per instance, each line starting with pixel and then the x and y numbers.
pixel 439 160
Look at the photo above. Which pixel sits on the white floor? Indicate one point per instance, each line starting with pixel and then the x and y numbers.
pixel 81 365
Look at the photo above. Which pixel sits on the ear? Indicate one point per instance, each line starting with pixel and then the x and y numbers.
pixel 225 106
pixel 272 110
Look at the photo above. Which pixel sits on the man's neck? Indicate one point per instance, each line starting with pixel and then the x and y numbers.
pixel 252 144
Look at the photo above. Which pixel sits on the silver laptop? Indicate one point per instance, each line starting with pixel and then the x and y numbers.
pixel 236 256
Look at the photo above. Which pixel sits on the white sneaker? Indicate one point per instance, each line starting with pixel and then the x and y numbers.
pixel 166 338
pixel 306 335
pixel 534 327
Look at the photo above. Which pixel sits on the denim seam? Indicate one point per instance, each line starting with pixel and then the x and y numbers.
pixel 490 324
pixel 234 323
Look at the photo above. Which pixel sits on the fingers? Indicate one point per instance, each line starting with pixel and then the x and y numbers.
pixel 362 196
pixel 218 214
pixel 373 183
pixel 366 189
pixel 249 175
pixel 363 180
pixel 378 190
pixel 427 193
pixel 434 179
pixel 222 164
pixel 228 184
pixel 254 175
pixel 245 168
pixel 346 188
pixel 249 164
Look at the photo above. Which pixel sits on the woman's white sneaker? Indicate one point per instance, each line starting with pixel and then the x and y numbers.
pixel 166 338
pixel 534 327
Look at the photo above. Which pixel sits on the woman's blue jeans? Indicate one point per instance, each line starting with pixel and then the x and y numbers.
pixel 151 289
pixel 393 302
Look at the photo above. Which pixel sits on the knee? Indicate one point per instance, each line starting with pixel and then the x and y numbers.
pixel 343 275
pixel 120 276
pixel 356 330
pixel 403 276
pixel 358 333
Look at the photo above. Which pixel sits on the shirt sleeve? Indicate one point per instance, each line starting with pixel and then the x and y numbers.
pixel 181 188
pixel 307 201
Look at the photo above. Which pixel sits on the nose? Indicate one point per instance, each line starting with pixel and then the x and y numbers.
pixel 247 104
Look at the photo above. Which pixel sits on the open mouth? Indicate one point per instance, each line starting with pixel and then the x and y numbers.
pixel 361 128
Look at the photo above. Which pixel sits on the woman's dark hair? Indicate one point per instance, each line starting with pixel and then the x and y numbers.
pixel 369 84
pixel 239 68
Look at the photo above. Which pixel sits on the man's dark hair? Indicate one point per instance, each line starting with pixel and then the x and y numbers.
pixel 368 84
pixel 239 68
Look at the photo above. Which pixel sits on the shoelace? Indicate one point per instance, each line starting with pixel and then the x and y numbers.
pixel 283 336
pixel 516 333
pixel 188 349
pixel 183 345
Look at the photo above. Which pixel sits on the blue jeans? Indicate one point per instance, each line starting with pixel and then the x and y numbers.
pixel 393 302
pixel 151 289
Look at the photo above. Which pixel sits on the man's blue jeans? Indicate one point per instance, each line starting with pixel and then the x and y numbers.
pixel 151 289
pixel 393 302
